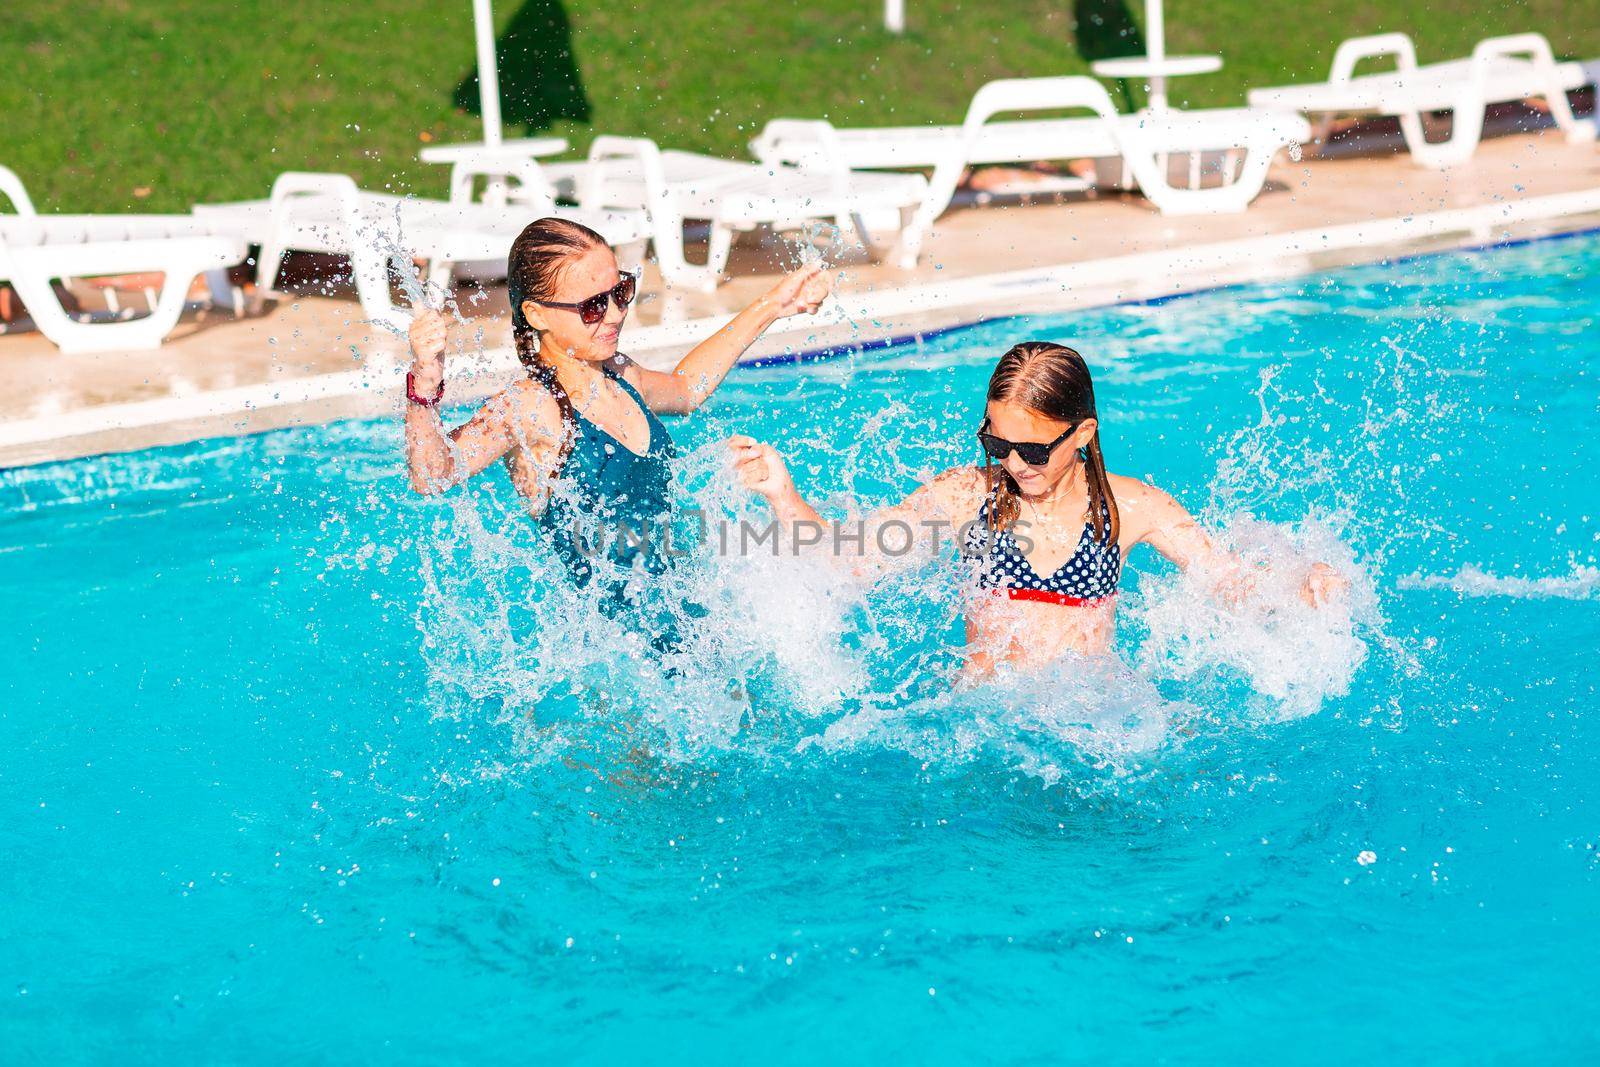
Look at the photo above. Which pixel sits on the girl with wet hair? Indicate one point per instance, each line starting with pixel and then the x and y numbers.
pixel 1046 525
pixel 584 415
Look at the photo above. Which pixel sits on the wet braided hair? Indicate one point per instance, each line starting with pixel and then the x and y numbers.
pixel 1052 380
pixel 533 269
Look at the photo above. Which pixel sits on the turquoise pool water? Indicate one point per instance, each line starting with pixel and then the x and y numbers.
pixel 296 767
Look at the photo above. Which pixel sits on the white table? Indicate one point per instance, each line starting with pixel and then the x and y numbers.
pixel 1156 70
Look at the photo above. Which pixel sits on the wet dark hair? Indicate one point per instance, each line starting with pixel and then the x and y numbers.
pixel 1052 380
pixel 533 269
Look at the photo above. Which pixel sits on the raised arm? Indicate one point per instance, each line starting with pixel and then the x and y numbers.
pixel 436 460
pixel 927 521
pixel 697 375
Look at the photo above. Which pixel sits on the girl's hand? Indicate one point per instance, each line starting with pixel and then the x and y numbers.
pixel 760 468
pixel 1234 588
pixel 1322 584
pixel 801 291
pixel 427 337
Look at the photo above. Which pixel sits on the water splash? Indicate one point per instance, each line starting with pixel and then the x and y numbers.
pixel 787 658
pixel 1291 655
pixel 1581 583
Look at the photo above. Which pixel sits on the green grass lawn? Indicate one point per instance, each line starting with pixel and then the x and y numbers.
pixel 112 105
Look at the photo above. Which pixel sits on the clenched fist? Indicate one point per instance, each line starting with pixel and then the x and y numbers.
pixel 801 291
pixel 760 468
pixel 427 337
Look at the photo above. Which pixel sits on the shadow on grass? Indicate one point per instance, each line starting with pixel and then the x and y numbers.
pixel 539 78
pixel 1106 30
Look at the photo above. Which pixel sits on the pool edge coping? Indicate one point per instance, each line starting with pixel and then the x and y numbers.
pixel 1137 278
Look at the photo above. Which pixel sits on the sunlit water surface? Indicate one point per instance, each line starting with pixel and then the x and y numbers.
pixel 295 766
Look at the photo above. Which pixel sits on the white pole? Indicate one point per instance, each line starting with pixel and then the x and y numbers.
pixel 1155 47
pixel 488 71
pixel 894 16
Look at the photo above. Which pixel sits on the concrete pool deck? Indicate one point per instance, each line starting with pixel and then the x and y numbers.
pixel 310 359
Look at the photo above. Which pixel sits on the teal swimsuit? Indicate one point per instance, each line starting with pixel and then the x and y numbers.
pixel 607 499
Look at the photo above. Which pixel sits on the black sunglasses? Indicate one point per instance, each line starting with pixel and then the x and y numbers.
pixel 593 309
pixel 1033 453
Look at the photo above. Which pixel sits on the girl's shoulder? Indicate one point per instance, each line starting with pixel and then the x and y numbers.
pixel 1132 490
pixel 528 406
pixel 1142 505
pixel 524 394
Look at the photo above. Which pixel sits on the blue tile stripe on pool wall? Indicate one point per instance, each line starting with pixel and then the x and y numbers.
pixel 815 355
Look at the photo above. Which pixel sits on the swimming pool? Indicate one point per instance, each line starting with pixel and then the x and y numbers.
pixel 294 765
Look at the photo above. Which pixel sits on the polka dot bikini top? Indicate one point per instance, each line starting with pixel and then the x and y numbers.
pixel 1089 576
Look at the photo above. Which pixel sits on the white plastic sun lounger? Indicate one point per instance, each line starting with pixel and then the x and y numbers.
pixel 328 213
pixel 674 186
pixel 1251 138
pixel 1502 69
pixel 38 249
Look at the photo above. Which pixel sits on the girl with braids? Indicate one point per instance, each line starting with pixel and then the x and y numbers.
pixel 585 413
pixel 1047 526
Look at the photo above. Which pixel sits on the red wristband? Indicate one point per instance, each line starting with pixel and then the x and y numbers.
pixel 411 393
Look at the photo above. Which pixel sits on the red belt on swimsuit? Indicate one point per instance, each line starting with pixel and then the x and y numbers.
pixel 1049 596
